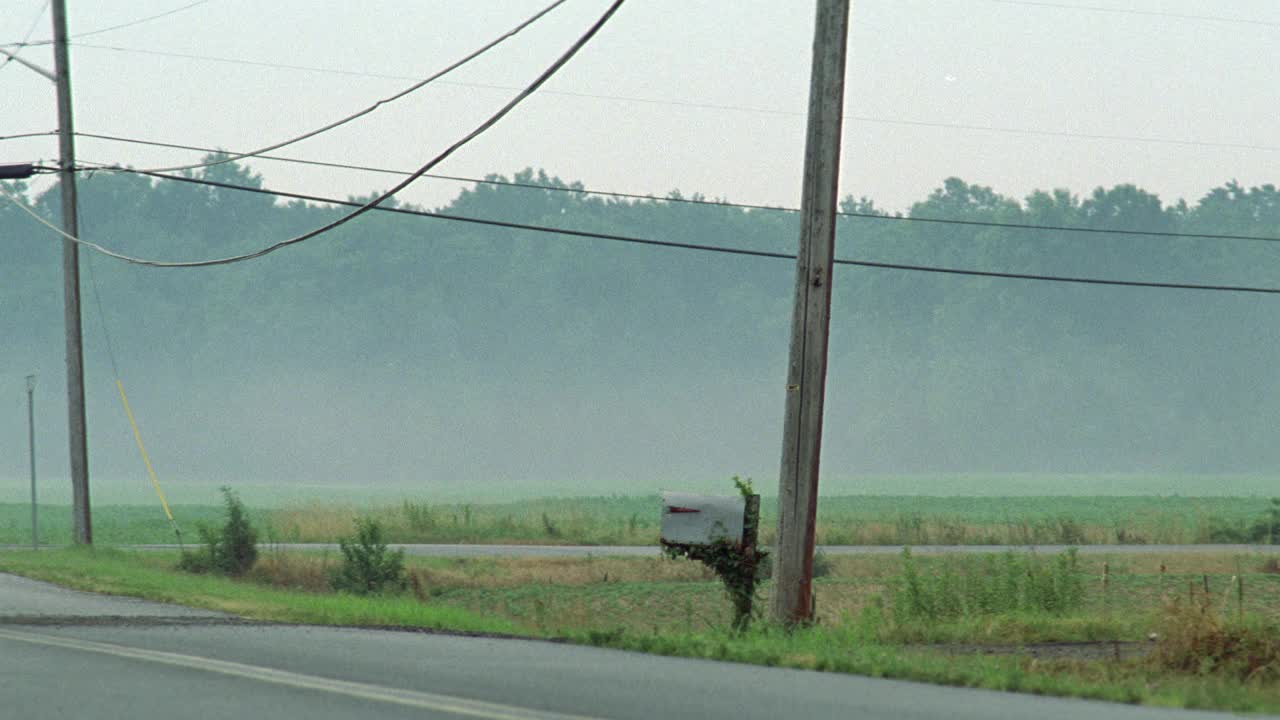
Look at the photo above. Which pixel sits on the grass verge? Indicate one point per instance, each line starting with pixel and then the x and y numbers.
pixel 152 576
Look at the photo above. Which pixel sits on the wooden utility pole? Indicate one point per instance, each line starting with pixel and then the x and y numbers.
pixel 82 527
pixel 810 321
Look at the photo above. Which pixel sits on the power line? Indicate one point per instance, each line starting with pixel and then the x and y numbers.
pixel 140 21
pixel 437 176
pixel 728 107
pixel 695 201
pixel 632 240
pixel 1060 279
pixel 20 136
pixel 1067 228
pixel 1147 13
pixel 407 91
pixel 121 26
pixel 23 45
pixel 542 78
pixel 390 76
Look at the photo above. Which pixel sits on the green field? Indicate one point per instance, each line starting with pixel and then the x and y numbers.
pixel 842 520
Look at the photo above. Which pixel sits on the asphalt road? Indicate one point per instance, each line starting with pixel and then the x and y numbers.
pixel 429 550
pixel 65 654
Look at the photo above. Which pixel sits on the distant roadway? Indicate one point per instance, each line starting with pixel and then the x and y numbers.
pixel 71 655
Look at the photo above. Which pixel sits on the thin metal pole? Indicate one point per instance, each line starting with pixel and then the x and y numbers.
pixel 810 321
pixel 83 528
pixel 31 445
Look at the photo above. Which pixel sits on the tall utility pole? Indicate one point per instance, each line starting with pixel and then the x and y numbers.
pixel 31 446
pixel 83 528
pixel 810 321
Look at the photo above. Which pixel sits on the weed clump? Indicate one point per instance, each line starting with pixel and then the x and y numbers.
pixel 229 550
pixel 368 567
pixel 1194 637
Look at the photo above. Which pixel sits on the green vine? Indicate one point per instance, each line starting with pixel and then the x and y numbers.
pixel 735 563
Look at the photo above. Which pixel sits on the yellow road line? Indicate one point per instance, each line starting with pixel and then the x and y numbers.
pixel 363 691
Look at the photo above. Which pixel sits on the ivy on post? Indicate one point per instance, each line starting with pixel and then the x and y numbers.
pixel 721 533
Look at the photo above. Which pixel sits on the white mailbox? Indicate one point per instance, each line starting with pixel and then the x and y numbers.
pixel 689 519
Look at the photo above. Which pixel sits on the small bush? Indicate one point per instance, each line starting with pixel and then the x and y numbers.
pixel 367 565
pixel 231 550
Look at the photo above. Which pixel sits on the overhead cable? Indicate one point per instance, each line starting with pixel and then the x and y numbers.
pixel 1148 13
pixel 354 116
pixel 23 45
pixel 19 136
pixel 693 201
pixel 1031 132
pixel 121 26
pixel 363 208
pixel 632 240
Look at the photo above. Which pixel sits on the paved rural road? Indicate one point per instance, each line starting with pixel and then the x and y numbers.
pixel 65 654
pixel 650 550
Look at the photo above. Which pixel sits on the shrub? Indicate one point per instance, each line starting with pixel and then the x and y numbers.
pixel 1265 531
pixel 367 565
pixel 231 550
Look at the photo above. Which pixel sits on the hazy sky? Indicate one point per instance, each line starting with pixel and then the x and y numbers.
pixel 700 96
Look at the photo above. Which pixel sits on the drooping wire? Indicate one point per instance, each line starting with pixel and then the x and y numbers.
pixel 370 205
pixel 688 246
pixel 689 200
pixel 384 101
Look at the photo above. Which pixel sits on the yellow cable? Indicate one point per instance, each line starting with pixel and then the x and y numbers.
pixel 146 460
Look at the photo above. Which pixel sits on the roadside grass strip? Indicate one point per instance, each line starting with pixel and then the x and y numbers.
pixel 152 576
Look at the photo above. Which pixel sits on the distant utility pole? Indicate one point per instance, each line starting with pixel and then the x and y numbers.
pixel 810 321
pixel 83 529
pixel 31 445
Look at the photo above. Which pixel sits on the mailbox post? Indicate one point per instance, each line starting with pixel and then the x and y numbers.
pixel 720 532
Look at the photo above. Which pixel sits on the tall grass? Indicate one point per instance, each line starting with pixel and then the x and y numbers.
pixel 989 585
